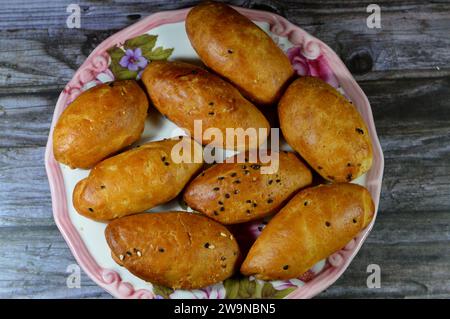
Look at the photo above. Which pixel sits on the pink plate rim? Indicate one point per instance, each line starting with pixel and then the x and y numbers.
pixel 98 62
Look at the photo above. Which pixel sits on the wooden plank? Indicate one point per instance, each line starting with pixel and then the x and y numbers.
pixel 413 114
pixel 33 262
pixel 40 53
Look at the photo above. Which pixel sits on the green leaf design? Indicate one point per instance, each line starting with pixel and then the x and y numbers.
pixel 243 287
pixel 162 291
pixel 157 54
pixel 146 42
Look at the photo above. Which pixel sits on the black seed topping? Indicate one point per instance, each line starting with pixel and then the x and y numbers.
pixel 216 189
pixel 246 172
pixel 129 253
pixel 305 203
pixel 327 224
pixel 206 245
pixel 278 180
pixel 223 258
pixel 221 178
pixel 222 209
pixel 230 51
pixel 270 200
pixel 270 182
pixel 223 266
pixel 220 202
pixel 163 158
pixel 211 113
pixel 215 213
pixel 248 201
pixel 248 211
pixel 244 166
pixel 254 205
pixel 236 192
pixel 255 166
pixel 227 195
pixel 360 131
pixel 286 267
pixel 319 167
pixel 233 175
pixel 166 163
pixel 260 228
pixel 354 221
pixel 161 250
pixel 103 187
pixel 349 164
pixel 236 182
pixel 349 177
pixel 91 209
pixel 211 103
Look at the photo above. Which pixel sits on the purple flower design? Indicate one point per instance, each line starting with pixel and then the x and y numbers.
pixel 133 60
pixel 318 67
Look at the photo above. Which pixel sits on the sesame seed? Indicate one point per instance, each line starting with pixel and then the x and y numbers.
pixel 211 246
pixel 236 192
pixel 139 253
pixel 121 257
pixel 231 237
pixel 223 234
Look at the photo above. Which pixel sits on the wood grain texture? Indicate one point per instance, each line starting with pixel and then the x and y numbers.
pixel 402 67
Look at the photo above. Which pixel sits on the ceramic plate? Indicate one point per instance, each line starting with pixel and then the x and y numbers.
pixel 162 36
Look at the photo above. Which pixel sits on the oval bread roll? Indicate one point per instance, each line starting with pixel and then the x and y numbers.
pixel 100 122
pixel 184 92
pixel 238 192
pixel 236 48
pixel 174 249
pixel 135 181
pixel 317 222
pixel 326 129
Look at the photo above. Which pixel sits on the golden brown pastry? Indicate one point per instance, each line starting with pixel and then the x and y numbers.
pixel 236 48
pixel 135 181
pixel 326 129
pixel 317 222
pixel 100 122
pixel 184 92
pixel 238 192
pixel 174 249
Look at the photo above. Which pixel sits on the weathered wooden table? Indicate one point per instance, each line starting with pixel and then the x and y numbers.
pixel 404 68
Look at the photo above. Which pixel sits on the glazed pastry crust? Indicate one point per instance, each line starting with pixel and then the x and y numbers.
pixel 317 222
pixel 236 48
pixel 174 249
pixel 184 92
pixel 135 181
pixel 238 192
pixel 100 122
pixel 326 129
